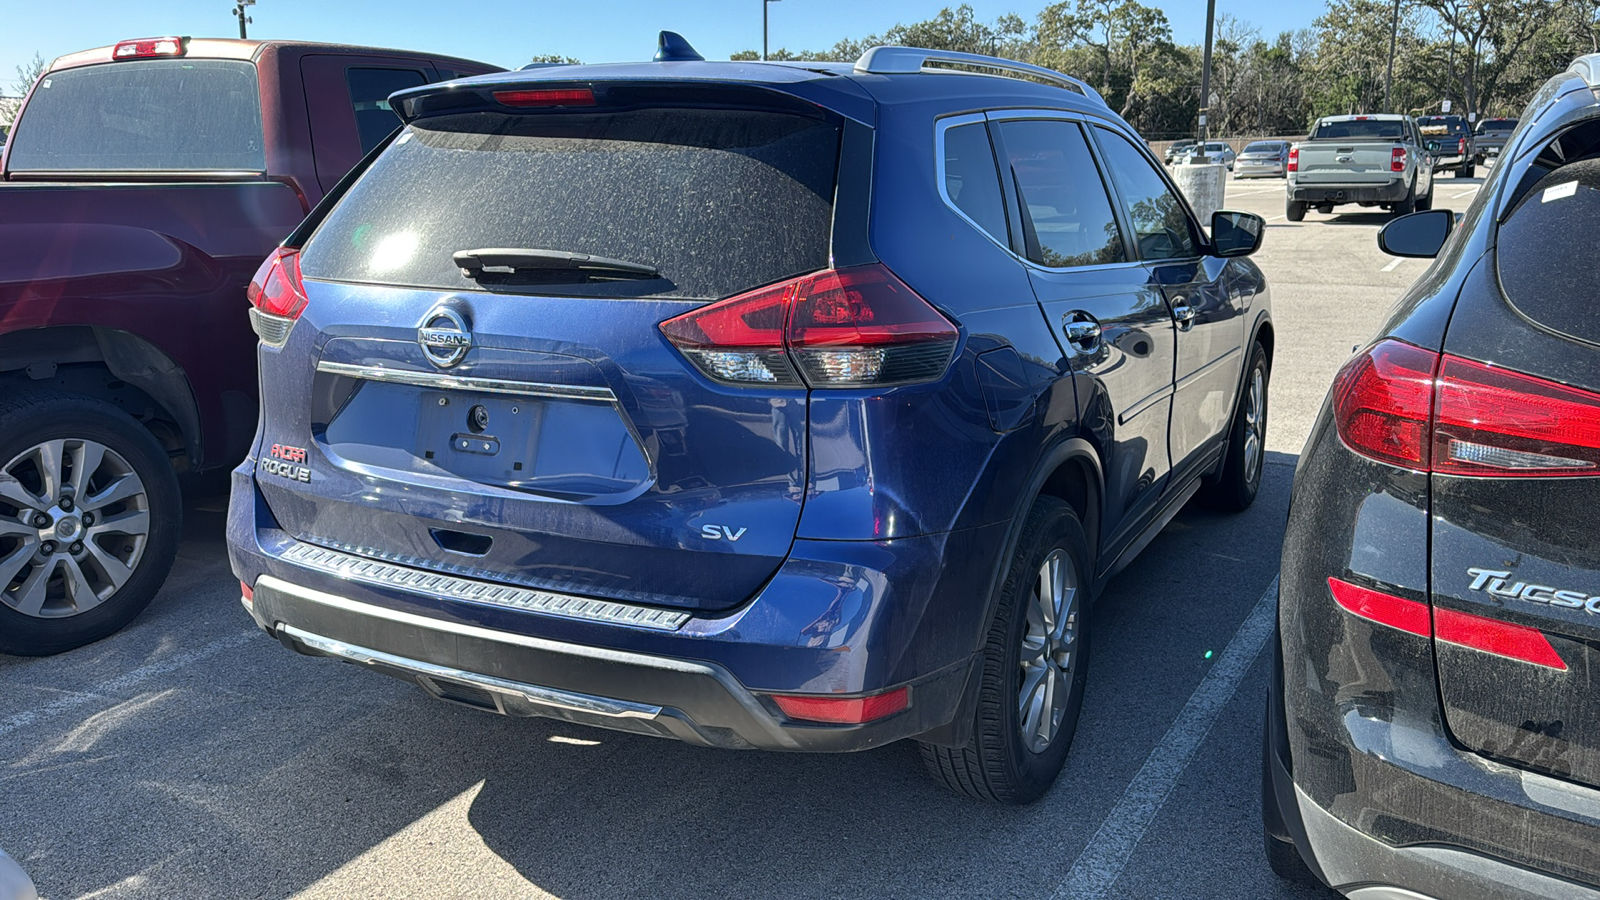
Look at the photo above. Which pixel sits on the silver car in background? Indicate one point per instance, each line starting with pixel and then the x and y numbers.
pixel 1263 159
pixel 1216 152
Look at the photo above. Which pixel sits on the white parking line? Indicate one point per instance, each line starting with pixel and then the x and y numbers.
pixel 1469 191
pixel 125 681
pixel 1106 855
pixel 1278 216
pixel 1394 265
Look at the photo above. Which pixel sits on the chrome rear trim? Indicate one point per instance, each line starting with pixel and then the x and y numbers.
pixel 539 696
pixel 451 587
pixel 442 381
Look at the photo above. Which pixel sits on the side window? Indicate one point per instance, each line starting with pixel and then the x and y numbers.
pixel 1066 211
pixel 971 180
pixel 1159 221
pixel 369 93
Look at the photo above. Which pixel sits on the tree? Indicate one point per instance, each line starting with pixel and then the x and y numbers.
pixel 555 59
pixel 29 72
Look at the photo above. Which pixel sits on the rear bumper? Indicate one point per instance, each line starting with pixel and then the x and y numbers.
pixel 1244 169
pixel 1316 194
pixel 840 618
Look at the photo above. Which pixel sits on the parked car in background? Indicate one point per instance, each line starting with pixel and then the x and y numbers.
pixel 1216 152
pixel 1375 161
pixel 549 457
pixel 142 185
pixel 1432 729
pixel 1262 159
pixel 1490 137
pixel 1450 140
pixel 1178 150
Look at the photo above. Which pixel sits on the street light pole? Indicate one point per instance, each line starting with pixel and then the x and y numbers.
pixel 1205 83
pixel 764 4
pixel 238 10
pixel 1388 75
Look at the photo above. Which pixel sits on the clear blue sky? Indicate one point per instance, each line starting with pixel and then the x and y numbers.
pixel 509 33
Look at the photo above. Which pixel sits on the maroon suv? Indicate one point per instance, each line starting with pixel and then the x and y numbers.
pixel 142 186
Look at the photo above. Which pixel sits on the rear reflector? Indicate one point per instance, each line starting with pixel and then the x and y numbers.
pixel 277 296
pixel 145 48
pixel 1494 636
pixel 1491 636
pixel 546 97
pixel 844 710
pixel 1414 408
pixel 1385 609
pixel 838 328
pixel 248 595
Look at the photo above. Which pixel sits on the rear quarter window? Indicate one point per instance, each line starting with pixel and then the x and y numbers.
pixel 1543 248
pixel 719 201
pixel 148 115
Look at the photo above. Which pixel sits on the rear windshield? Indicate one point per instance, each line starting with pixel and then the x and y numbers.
pixel 1360 130
pixel 1540 243
pixel 1442 125
pixel 717 200
pixel 149 115
pixel 1497 125
pixel 1264 147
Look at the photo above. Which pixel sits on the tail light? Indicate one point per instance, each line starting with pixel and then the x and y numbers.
pixel 277 296
pixel 546 97
pixel 1397 159
pixel 838 328
pixel 1294 159
pixel 1461 146
pixel 146 48
pixel 1414 408
pixel 1494 636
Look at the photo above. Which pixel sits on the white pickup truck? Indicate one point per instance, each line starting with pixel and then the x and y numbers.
pixel 1375 160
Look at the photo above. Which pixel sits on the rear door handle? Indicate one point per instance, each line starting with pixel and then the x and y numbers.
pixel 1082 331
pixel 1183 313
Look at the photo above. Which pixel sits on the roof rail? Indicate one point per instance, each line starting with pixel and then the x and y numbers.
pixel 1586 66
pixel 885 60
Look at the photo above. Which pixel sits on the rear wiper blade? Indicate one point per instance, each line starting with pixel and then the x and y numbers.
pixel 506 260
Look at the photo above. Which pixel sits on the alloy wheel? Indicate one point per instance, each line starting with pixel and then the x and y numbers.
pixel 74 524
pixel 1049 652
pixel 1255 423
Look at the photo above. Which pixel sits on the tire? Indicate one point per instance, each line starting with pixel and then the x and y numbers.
pixel 1234 487
pixel 1295 211
pixel 1409 204
pixel 1426 200
pixel 87 589
pixel 1001 763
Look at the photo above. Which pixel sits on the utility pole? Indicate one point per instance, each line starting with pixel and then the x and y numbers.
pixel 238 11
pixel 1388 75
pixel 1205 83
pixel 764 4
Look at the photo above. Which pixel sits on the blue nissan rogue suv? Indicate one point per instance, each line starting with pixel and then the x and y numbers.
pixel 782 406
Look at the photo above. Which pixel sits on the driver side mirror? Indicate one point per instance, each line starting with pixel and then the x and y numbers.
pixel 1236 233
pixel 1420 235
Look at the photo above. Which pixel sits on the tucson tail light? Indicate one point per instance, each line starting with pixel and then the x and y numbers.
pixel 277 296
pixel 1414 408
pixel 1494 636
pixel 844 710
pixel 838 328
pixel 145 48
pixel 1397 159
pixel 1294 159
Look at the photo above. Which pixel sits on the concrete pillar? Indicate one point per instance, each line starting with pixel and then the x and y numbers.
pixel 1204 186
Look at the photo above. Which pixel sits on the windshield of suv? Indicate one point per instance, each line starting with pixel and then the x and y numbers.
pixel 1497 125
pixel 717 201
pixel 148 115
pixel 1553 226
pixel 1359 130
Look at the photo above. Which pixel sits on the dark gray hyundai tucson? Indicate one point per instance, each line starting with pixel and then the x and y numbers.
pixel 1432 726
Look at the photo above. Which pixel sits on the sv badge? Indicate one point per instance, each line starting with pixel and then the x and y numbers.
pixel 721 532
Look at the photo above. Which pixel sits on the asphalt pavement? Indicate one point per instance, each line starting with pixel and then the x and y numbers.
pixel 190 756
